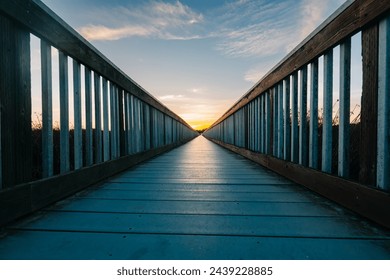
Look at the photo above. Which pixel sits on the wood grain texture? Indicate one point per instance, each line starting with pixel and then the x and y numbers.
pixel 15 103
pixel 369 106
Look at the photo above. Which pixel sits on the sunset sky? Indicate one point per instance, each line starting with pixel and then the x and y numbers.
pixel 197 57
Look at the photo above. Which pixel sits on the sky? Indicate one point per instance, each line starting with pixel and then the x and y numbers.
pixel 196 56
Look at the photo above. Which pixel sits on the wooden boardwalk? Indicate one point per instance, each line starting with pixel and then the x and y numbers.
pixel 198 201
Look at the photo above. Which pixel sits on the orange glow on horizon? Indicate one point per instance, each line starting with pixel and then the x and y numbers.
pixel 199 124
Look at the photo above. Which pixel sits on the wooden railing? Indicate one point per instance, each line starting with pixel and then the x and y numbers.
pixel 122 124
pixel 271 123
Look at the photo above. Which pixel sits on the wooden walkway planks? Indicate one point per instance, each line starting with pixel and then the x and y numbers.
pixel 198 201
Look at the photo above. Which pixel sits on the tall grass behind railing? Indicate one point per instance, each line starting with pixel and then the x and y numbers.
pixel 296 121
pixel 79 111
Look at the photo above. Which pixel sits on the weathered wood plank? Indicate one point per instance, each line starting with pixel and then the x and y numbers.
pixel 345 111
pixel 64 113
pixel 369 106
pixel 182 224
pixel 15 101
pixel 47 110
pixel 383 141
pixel 303 117
pixel 78 141
pixel 88 118
pixel 294 119
pixel 313 130
pixel 106 135
pixel 98 119
pixel 173 247
pixel 287 120
pixel 327 113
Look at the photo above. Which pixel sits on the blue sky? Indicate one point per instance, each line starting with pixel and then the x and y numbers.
pixel 197 57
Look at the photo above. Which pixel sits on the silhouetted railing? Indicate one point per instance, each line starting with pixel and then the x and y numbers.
pixel 271 123
pixel 118 125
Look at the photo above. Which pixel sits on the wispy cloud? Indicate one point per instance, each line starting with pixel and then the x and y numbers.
pixel 170 97
pixel 254 28
pixel 169 21
pixel 258 33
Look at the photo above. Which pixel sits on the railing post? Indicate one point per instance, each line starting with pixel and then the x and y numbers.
pixel 121 124
pixel 280 122
pixel 64 113
pixel 275 121
pixel 294 119
pixel 369 106
pixel 47 110
pixel 268 115
pixel 303 118
pixel 327 113
pixel 15 104
pixel 78 142
pixel 345 96
pixel 313 137
pixel 88 118
pixel 98 119
pixel 287 120
pixel 106 136
pixel 383 146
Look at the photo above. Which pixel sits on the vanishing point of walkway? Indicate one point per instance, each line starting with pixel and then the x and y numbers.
pixel 198 201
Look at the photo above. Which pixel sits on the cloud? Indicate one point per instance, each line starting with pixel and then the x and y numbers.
pixel 168 21
pixel 261 28
pixel 250 30
pixel 170 97
pixel 100 32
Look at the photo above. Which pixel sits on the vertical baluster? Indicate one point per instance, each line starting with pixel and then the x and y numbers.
pixel 47 110
pixel 88 118
pixel 257 119
pixel 267 117
pixel 98 125
pixel 121 125
pixel 313 138
pixel 132 128
pixel 345 93
pixel 64 113
pixel 147 126
pixel 303 118
pixel 275 119
pixel 78 141
pixel 106 136
pixel 327 115
pixel 287 120
pixel 294 121
pixel 142 127
pixel 136 125
pixel 369 105
pixel 117 122
pixel 280 121
pixel 112 118
pixel 262 123
pixel 383 153
pixel 127 123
